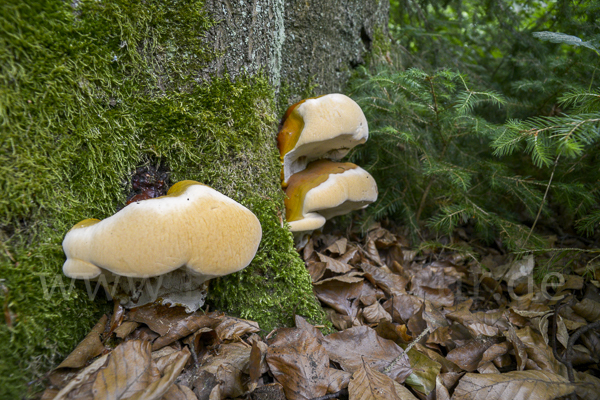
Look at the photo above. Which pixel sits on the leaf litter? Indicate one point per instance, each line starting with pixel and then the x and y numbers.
pixel 409 324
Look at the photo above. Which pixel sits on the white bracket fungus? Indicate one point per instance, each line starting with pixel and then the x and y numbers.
pixel 323 127
pixel 326 189
pixel 193 226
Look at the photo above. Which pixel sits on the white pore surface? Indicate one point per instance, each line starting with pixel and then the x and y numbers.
pixel 333 124
pixel 202 229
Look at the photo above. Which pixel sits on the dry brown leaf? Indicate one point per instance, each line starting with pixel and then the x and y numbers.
pixel 129 370
pixel 350 256
pixel 341 294
pixel 539 352
pixel 495 319
pixel 338 380
pixel 470 354
pixel 402 307
pixel 172 323
pixel 157 389
pixel 85 377
pixel 333 265
pixel 488 368
pixel 316 270
pixel 588 386
pixel 515 385
pixel 375 313
pixel 89 347
pixel 424 374
pixel 125 329
pixel 441 392
pixel 340 321
pixel 395 332
pixel 232 360
pixel 272 391
pixel 438 297
pixel 369 384
pixel 495 351
pixel 299 363
pixel 179 392
pixel 338 247
pixel 588 309
pixel 391 284
pixel 204 384
pixel 231 328
pixel 350 347
pixel 371 252
pixel 518 347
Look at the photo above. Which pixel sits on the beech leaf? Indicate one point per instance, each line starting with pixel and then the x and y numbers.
pixel 369 384
pixel 515 385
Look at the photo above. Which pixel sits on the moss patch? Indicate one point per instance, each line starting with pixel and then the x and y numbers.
pixel 88 91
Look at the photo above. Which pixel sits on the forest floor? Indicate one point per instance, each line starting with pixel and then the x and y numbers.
pixel 458 321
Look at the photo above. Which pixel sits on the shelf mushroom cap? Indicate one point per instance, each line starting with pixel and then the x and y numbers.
pixel 193 226
pixel 327 189
pixel 322 127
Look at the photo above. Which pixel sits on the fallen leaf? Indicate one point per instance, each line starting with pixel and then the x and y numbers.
pixel 470 354
pixel 233 328
pixel 438 297
pixel 228 365
pixel 172 323
pixel 588 309
pixel 299 363
pixel 333 265
pixel 341 293
pixel 83 378
pixel 316 270
pixel 402 307
pixel 539 352
pixel 355 345
pixel 447 365
pixel 515 385
pixel 391 284
pixel 518 347
pixel 204 384
pixel 338 380
pixel 338 247
pixel 125 329
pixel 158 388
pixel 372 253
pixel 441 392
pixel 129 370
pixel 425 371
pixel 494 351
pixel 375 313
pixel 179 392
pixel 588 386
pixel 369 384
pixel 488 368
pixel 89 347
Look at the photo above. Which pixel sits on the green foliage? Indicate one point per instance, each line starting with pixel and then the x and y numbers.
pixel 446 153
pixel 430 154
pixel 89 91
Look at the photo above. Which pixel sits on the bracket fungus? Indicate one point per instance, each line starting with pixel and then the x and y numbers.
pixel 187 237
pixel 322 127
pixel 326 189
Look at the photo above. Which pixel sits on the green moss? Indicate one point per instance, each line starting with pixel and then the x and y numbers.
pixel 87 93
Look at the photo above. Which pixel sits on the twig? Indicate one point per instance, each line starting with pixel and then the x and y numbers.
pixel 543 200
pixel 410 346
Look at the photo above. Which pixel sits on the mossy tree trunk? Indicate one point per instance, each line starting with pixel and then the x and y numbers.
pixel 91 90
